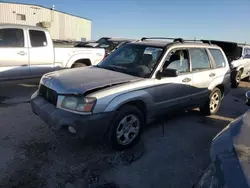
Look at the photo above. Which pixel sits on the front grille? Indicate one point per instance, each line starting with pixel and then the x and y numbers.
pixel 48 94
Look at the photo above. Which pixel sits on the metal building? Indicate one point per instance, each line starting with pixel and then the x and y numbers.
pixel 61 25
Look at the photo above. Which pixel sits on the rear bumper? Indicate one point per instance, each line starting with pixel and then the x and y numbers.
pixel 86 126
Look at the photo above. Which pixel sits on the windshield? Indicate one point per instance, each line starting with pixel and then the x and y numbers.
pixel 137 60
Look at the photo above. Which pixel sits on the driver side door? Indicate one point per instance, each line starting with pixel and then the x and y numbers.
pixel 174 92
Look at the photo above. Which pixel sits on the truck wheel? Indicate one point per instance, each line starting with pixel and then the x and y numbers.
pixel 126 128
pixel 78 65
pixel 213 104
pixel 236 77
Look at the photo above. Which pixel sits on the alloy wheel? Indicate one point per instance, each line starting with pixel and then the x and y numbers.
pixel 128 129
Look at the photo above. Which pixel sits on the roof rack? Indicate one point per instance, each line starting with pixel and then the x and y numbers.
pixel 164 38
pixel 178 40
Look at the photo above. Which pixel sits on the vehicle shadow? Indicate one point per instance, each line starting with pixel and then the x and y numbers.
pixel 17 91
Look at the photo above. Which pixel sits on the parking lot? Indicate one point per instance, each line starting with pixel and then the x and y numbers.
pixel 172 153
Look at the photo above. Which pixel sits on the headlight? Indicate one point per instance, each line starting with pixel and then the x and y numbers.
pixel 81 104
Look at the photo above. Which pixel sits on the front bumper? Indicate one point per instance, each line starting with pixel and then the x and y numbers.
pixel 86 126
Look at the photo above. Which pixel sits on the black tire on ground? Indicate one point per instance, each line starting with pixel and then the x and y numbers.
pixel 126 113
pixel 213 103
pixel 236 77
pixel 78 65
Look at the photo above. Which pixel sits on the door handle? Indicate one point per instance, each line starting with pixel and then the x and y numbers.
pixel 186 80
pixel 21 53
pixel 212 75
pixel 24 65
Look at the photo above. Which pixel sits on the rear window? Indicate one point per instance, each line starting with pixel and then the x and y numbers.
pixel 218 58
pixel 37 38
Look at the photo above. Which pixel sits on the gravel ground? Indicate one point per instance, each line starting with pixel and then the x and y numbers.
pixel 33 156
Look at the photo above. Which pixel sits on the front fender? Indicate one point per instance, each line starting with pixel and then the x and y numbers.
pixel 237 65
pixel 122 99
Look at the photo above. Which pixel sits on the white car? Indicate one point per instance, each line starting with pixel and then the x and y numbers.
pixel 28 51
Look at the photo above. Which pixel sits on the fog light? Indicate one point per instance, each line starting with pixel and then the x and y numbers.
pixel 72 130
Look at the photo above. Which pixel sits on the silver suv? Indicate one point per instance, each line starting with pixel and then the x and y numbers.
pixel 133 86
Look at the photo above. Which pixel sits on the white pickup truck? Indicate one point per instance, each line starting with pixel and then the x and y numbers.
pixel 28 51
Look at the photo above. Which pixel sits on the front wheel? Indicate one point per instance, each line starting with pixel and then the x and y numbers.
pixel 236 77
pixel 213 104
pixel 126 128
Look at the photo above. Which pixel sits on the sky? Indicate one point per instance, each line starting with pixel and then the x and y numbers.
pixel 207 19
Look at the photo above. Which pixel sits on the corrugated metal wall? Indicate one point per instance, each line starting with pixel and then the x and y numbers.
pixel 63 26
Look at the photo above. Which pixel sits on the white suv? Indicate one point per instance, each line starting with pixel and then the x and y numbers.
pixel 133 86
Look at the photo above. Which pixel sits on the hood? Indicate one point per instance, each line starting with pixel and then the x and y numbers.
pixel 231 150
pixel 82 80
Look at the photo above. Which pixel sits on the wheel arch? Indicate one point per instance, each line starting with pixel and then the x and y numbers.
pixel 140 99
pixel 76 58
pixel 83 61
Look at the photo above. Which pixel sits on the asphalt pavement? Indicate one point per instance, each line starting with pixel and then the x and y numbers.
pixel 33 156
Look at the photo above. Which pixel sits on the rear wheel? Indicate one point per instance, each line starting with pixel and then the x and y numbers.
pixel 126 128
pixel 78 65
pixel 213 104
pixel 236 77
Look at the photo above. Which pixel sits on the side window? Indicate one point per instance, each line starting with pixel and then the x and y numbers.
pixel 37 38
pixel 247 53
pixel 178 60
pixel 11 38
pixel 218 58
pixel 199 59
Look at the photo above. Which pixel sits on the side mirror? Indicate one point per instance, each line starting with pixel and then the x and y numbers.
pixel 248 98
pixel 167 73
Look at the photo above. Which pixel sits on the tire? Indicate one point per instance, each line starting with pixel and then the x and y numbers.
pixel 78 65
pixel 214 100
pixel 236 77
pixel 118 131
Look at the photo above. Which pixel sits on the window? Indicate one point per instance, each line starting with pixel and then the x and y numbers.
pixel 199 59
pixel 132 59
pixel 218 58
pixel 37 38
pixel 11 38
pixel 126 57
pixel 247 53
pixel 178 60
pixel 21 17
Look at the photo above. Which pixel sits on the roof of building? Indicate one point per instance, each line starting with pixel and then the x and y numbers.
pixel 7 25
pixel 45 8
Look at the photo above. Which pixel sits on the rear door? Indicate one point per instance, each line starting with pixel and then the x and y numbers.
pixel 219 61
pixel 14 57
pixel 203 74
pixel 41 52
